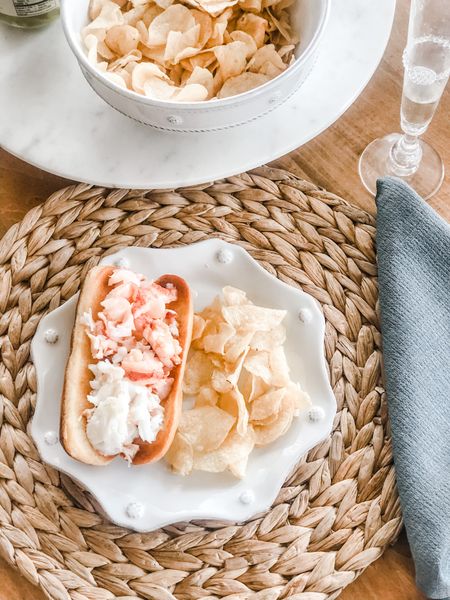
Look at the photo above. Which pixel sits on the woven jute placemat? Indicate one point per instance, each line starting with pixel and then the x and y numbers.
pixel 339 508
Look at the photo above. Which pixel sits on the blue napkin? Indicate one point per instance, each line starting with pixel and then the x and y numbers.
pixel 413 245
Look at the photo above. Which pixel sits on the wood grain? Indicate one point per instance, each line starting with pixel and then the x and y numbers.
pixel 331 161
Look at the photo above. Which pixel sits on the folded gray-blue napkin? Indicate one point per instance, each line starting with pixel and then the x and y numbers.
pixel 413 247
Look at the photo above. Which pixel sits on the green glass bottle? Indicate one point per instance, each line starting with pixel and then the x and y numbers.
pixel 28 14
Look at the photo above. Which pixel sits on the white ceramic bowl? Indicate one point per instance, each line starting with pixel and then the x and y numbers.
pixel 309 18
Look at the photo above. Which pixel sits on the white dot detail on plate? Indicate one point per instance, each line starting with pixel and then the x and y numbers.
pixel 316 413
pixel 175 119
pixel 305 315
pixel 247 497
pixel 51 336
pixel 224 256
pixel 135 510
pixel 122 263
pixel 51 438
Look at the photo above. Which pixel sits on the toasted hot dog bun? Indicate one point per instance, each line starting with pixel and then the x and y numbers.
pixel 77 375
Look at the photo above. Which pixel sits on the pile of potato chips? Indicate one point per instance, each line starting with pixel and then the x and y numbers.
pixel 239 377
pixel 192 50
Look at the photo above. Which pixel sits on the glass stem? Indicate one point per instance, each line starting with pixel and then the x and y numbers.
pixel 405 155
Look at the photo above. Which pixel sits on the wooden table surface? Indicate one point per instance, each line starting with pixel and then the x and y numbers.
pixel 331 161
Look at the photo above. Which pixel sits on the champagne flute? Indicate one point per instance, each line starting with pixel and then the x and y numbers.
pixel 426 60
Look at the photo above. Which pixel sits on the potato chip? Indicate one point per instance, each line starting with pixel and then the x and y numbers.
pixel 255 26
pixel 299 397
pixel 203 59
pixel 91 43
pixel 110 15
pixel 131 58
pixel 219 27
pixel 220 383
pixel 286 52
pixel 245 384
pixel 163 3
pixel 267 340
pixel 206 26
pixel 237 345
pixel 216 342
pixel 204 78
pixel 184 56
pixel 257 363
pixel 225 379
pixel 132 16
pixel 233 296
pixel 178 42
pixel 198 325
pixel 282 25
pixel 198 372
pixel 217 361
pixel 231 59
pixel 205 428
pixel 210 328
pixel 266 405
pixel 250 317
pixel 159 89
pixel 125 73
pixel 95 7
pixel 267 434
pixel 206 397
pixel 117 79
pixel 180 455
pixel 212 310
pixel 254 6
pixel 191 93
pixel 105 52
pixel 242 83
pixel 143 72
pixel 241 36
pixel 142 31
pixel 233 402
pixel 155 54
pixel 265 59
pixel 175 18
pixel 122 39
pixel 152 11
pixel 187 54
pixel 267 421
pixel 279 367
pixel 259 387
pixel 279 5
pixel 213 7
pixel 232 454
pixel 176 73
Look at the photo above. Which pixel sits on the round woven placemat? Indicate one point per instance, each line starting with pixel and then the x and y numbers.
pixel 339 508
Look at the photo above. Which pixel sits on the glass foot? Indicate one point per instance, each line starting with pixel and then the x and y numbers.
pixel 375 163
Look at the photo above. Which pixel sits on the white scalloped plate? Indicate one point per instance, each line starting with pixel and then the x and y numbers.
pixel 146 497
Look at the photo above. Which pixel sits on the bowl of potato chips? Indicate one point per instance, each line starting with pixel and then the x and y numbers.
pixel 194 65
